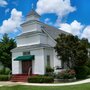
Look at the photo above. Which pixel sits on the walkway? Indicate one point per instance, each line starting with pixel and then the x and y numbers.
pixel 34 84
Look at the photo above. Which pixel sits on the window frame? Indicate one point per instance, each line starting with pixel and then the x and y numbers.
pixel 48 60
pixel 25 53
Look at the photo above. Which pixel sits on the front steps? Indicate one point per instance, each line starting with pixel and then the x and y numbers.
pixel 19 78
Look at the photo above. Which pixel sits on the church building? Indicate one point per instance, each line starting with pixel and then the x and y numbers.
pixel 35 47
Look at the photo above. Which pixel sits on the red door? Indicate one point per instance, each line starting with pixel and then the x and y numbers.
pixel 25 67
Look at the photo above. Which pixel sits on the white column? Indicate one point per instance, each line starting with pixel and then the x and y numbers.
pixel 16 65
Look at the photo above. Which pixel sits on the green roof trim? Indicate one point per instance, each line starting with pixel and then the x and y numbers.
pixel 25 58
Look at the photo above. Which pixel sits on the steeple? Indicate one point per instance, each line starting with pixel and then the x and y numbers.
pixel 33 15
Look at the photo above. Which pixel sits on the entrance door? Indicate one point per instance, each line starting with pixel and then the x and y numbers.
pixel 25 67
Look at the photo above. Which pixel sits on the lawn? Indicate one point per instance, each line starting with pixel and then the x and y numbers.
pixel 75 87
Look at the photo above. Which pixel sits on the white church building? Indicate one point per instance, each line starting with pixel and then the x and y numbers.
pixel 35 47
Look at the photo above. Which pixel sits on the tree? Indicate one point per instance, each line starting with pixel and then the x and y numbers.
pixel 6 45
pixel 85 42
pixel 71 50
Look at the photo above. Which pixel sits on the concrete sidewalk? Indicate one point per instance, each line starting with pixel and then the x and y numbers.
pixel 39 84
pixel 8 83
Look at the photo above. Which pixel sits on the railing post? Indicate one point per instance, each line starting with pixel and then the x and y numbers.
pixel 29 71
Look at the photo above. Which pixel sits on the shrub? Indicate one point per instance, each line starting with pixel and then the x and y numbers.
pixel 40 79
pixel 88 70
pixel 50 74
pixel 81 72
pixel 88 63
pixel 4 71
pixel 49 69
pixel 7 71
pixel 4 77
pixel 66 74
pixel 88 66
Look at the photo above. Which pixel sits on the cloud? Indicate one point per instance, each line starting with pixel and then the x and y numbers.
pixel 47 21
pixel 7 10
pixel 3 3
pixel 12 23
pixel 75 27
pixel 86 33
pixel 60 7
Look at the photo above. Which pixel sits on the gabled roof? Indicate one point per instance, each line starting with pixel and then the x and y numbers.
pixel 33 13
pixel 53 31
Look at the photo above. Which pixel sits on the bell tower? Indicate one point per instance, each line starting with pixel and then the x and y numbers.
pixel 31 24
pixel 32 15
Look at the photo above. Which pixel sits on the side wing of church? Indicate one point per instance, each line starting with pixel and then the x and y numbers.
pixel 35 47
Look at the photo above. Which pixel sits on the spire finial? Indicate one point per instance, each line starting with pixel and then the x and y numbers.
pixel 32 6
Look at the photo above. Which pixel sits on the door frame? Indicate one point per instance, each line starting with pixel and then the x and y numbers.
pixel 24 65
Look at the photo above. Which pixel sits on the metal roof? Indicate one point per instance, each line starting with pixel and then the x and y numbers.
pixel 53 31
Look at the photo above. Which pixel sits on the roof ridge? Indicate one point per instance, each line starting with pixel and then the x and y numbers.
pixel 33 12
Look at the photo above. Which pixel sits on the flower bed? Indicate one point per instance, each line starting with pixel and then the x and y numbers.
pixel 65 76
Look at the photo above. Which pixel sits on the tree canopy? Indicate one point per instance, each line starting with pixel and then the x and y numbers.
pixel 72 50
pixel 6 45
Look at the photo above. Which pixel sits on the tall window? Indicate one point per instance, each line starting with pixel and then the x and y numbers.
pixel 26 53
pixel 62 64
pixel 48 60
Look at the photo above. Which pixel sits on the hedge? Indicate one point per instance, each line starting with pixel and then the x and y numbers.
pixel 40 79
pixel 81 72
pixel 4 77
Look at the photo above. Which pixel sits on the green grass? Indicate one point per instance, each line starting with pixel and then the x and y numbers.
pixel 75 87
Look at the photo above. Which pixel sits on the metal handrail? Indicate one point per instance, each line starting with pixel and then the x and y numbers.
pixel 9 75
pixel 29 71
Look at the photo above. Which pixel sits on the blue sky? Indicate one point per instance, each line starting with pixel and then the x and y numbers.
pixel 75 21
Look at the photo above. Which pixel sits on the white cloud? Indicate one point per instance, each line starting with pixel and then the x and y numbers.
pixel 47 21
pixel 86 33
pixel 7 10
pixel 3 3
pixel 75 27
pixel 59 7
pixel 12 23
pixel 62 8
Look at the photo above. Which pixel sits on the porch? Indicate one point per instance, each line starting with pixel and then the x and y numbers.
pixel 26 67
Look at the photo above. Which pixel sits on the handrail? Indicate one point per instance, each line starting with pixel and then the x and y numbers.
pixel 9 75
pixel 29 71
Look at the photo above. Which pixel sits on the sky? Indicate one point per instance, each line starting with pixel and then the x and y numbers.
pixel 72 16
